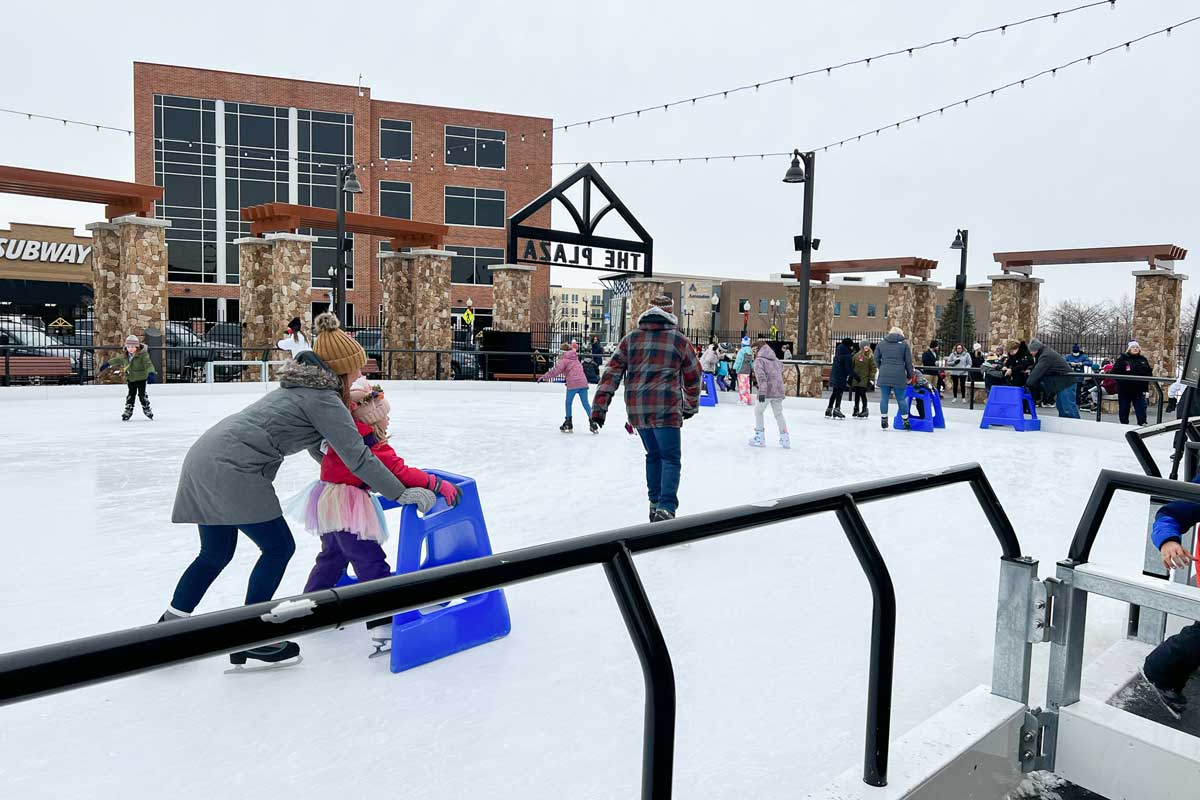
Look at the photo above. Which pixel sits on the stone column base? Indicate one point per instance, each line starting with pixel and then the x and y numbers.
pixel 810 380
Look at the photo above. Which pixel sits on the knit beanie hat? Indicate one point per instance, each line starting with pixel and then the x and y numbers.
pixel 132 340
pixel 664 302
pixel 745 341
pixel 335 347
pixel 371 409
pixel 1133 345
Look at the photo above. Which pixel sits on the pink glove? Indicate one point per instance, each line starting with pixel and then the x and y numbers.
pixel 446 489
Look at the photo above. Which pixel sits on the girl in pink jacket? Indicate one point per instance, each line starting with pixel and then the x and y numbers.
pixel 569 367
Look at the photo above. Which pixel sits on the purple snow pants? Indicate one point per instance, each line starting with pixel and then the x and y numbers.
pixel 342 548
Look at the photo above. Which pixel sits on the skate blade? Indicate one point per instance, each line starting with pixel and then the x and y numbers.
pixel 266 667
pixel 380 651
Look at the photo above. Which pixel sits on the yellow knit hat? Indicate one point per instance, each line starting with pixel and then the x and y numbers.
pixel 335 347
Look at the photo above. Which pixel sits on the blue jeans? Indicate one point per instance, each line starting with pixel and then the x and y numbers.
pixel 1065 402
pixel 217 543
pixel 662 466
pixel 885 392
pixel 582 395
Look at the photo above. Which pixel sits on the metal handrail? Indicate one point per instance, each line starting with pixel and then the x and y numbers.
pixel 1107 484
pixel 1137 441
pixel 68 665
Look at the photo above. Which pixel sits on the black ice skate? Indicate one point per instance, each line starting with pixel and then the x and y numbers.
pixel 592 424
pixel 883 423
pixel 662 515
pixel 567 427
pixel 1173 701
pixel 128 411
pixel 273 656
pixel 837 414
pixel 381 636
pixel 146 410
pixel 907 426
pixel 828 413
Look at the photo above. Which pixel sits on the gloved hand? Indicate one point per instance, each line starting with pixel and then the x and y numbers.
pixel 150 378
pixel 446 489
pixel 423 499
pixel 762 398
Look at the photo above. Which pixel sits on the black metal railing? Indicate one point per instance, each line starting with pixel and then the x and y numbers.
pixel 73 664
pixel 1137 442
pixel 1109 483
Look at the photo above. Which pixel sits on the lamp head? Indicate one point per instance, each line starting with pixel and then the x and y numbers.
pixel 352 186
pixel 958 243
pixel 795 173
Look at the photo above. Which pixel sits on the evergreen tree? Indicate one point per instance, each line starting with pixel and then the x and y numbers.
pixel 947 332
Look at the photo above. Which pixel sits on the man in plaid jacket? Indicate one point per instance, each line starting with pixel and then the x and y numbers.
pixel 662 389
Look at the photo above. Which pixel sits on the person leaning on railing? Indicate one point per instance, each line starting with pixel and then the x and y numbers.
pixel 1132 362
pixel 1172 663
pixel 1053 375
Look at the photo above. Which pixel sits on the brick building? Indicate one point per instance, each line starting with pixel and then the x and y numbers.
pixel 224 140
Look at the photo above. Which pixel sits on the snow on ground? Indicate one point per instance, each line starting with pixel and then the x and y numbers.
pixel 768 629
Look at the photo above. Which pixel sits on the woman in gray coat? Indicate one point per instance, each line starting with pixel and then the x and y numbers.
pixel 894 357
pixel 226 482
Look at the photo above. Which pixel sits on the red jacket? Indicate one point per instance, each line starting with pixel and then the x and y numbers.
pixel 333 470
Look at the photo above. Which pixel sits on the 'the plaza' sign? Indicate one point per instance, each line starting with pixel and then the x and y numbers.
pixel 50 252
pixel 573 255
pixel 581 248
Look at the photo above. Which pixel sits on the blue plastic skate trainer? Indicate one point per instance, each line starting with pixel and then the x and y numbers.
pixel 445 535
pixel 931 403
pixel 1006 405
pixel 708 390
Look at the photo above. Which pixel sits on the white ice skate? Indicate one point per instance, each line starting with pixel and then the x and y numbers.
pixel 759 440
pixel 785 441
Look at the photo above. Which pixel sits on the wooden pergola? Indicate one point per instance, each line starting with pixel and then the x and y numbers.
pixel 1157 256
pixel 286 217
pixel 119 198
pixel 906 266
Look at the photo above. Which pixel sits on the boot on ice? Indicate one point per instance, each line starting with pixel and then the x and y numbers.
pixel 759 440
pixel 273 656
pixel 128 410
pixel 567 427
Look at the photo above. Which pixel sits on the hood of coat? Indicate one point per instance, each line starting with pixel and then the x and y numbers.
pixel 894 338
pixel 765 353
pixel 843 349
pixel 307 371
pixel 568 355
pixel 656 318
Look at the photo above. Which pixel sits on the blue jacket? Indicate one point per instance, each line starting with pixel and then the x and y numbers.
pixel 1078 361
pixel 1173 519
pixel 744 363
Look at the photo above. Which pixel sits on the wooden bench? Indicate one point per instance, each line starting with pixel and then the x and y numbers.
pixel 513 376
pixel 371 367
pixel 34 369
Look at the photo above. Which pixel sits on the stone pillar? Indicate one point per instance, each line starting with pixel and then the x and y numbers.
pixel 641 292
pixel 430 271
pixel 512 287
pixel 398 327
pixel 820 321
pixel 791 312
pixel 257 287
pixel 912 307
pixel 1014 309
pixel 291 270
pixel 106 286
pixel 1157 299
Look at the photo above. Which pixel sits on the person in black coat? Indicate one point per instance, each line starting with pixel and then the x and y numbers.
pixel 1018 363
pixel 929 360
pixel 1132 362
pixel 839 377
pixel 597 351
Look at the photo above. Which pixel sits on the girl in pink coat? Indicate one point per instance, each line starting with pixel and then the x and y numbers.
pixel 569 367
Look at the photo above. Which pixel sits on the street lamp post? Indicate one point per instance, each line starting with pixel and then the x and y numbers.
pixel 347 183
pixel 715 302
pixel 805 243
pixel 745 318
pixel 960 283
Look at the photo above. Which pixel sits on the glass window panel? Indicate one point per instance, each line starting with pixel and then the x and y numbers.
pixel 460 211
pixel 489 213
pixel 490 155
pixel 181 124
pixel 182 190
pixel 183 261
pixel 871 309
pixel 395 145
pixel 458 130
pixel 328 138
pixel 854 309
pixel 395 204
pixel 460 191
pixel 256 193
pixel 487 134
pixel 490 194
pixel 460 151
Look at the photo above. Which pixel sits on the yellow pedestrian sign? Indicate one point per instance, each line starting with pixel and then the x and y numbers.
pixel 468 316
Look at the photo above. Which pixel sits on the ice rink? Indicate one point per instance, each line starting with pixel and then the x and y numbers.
pixel 768 629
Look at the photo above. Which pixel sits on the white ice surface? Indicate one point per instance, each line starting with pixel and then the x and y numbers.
pixel 768 629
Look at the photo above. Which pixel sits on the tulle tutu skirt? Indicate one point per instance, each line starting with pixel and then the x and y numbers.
pixel 333 507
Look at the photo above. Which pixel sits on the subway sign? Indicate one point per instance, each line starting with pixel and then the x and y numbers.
pixel 49 252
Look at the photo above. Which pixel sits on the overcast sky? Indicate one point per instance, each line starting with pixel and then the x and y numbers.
pixel 1103 154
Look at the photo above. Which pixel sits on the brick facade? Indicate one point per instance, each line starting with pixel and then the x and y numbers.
pixel 527 173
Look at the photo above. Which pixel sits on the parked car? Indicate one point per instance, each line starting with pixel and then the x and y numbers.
pixel 27 341
pixel 187 354
pixel 229 333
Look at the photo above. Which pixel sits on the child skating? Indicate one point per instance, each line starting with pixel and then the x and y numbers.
pixel 577 386
pixel 744 367
pixel 769 374
pixel 139 371
pixel 348 517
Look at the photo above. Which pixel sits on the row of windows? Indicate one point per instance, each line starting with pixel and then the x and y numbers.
pixel 852 309
pixel 464 146
pixel 463 205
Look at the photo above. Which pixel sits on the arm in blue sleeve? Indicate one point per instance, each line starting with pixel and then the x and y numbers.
pixel 1172 520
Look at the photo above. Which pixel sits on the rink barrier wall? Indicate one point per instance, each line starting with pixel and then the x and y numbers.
pixel 53 668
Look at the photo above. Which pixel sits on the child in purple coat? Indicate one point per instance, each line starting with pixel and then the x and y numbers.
pixel 577 385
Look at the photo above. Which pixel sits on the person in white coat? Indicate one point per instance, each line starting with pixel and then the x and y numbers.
pixel 294 342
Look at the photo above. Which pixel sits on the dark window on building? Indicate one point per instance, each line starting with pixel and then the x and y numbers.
pixel 256 168
pixel 395 199
pixel 764 306
pixel 478 207
pixel 470 264
pixel 872 309
pixel 185 165
pixel 475 147
pixel 854 309
pixel 939 311
pixel 837 309
pixel 324 140
pixel 395 139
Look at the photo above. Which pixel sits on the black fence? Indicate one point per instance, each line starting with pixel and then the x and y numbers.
pixel 28 674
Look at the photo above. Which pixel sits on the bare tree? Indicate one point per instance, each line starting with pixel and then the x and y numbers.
pixel 1120 321
pixel 1187 316
pixel 1073 319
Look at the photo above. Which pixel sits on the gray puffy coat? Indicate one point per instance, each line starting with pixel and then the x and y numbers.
pixel 894 357
pixel 959 360
pixel 227 474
